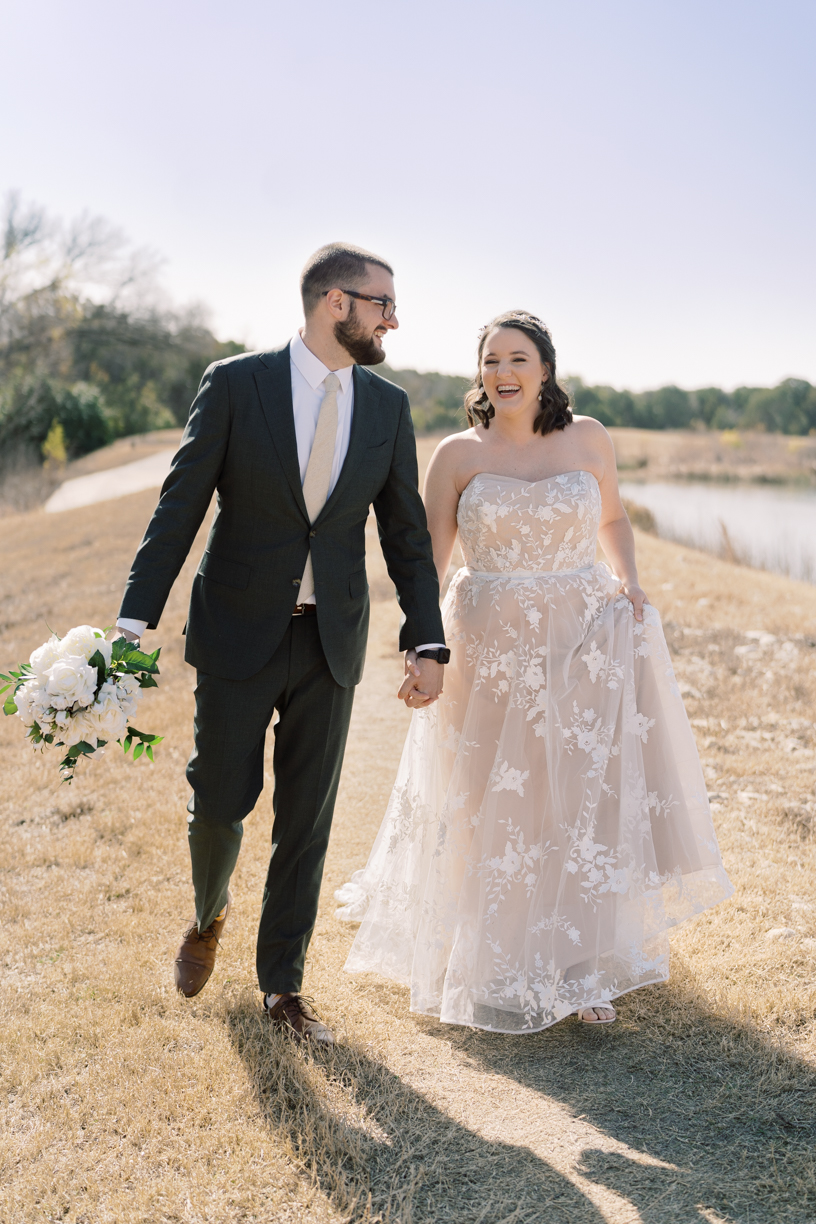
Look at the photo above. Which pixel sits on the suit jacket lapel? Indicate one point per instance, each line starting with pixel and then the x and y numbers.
pixel 275 389
pixel 362 422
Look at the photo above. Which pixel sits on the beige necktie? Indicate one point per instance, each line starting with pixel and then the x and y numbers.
pixel 318 472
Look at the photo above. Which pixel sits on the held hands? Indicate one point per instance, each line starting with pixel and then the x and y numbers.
pixel 423 681
pixel 636 596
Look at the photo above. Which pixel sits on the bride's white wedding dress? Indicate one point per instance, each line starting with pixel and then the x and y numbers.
pixel 549 820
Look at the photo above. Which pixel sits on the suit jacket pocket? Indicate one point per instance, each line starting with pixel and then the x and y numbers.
pixel 222 569
pixel 358 584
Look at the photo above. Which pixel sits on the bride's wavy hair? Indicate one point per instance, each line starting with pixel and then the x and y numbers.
pixel 555 410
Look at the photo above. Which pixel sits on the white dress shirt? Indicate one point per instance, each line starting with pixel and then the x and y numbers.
pixel 308 374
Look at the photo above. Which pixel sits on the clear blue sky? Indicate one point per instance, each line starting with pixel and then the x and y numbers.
pixel 639 173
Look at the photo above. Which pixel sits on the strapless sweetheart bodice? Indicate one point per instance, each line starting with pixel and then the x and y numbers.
pixel 512 526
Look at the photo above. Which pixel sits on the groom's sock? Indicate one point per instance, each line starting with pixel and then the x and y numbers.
pixel 271 1000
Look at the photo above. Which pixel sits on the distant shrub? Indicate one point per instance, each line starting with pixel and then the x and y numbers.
pixel 134 407
pixel 640 516
pixel 31 407
pixel 54 450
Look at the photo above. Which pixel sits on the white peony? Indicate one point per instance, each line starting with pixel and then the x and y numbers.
pixel 43 710
pixel 108 716
pixel 70 682
pixel 82 728
pixel 84 640
pixel 44 656
pixel 26 698
pixel 128 692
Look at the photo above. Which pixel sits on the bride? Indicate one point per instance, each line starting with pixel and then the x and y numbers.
pixel 549 820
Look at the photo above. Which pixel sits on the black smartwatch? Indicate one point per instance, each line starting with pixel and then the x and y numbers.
pixel 442 655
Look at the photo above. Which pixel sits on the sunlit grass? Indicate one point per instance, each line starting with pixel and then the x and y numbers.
pixel 122 1102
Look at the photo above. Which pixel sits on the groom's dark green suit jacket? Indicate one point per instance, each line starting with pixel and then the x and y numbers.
pixel 240 441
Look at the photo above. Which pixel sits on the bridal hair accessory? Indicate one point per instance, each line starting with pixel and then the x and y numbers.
pixel 79 692
pixel 522 316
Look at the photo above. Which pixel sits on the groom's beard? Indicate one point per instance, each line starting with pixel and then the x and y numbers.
pixel 360 346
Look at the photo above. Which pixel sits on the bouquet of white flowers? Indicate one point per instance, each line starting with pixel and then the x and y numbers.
pixel 78 692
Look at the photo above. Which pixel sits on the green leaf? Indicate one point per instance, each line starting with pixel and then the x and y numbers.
pixel 137 751
pixel 149 753
pixel 78 750
pixel 9 705
pixel 127 744
pixel 137 660
pixel 147 682
pixel 118 648
pixel 157 739
pixel 96 660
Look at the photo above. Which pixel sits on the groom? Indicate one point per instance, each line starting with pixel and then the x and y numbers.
pixel 298 443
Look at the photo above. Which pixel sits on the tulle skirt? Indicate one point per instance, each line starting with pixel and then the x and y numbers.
pixel 549 822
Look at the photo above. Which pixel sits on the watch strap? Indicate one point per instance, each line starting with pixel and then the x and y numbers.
pixel 442 655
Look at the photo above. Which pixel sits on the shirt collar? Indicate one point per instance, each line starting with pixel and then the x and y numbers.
pixel 312 368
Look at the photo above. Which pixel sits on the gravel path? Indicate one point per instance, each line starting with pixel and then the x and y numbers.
pixel 146 473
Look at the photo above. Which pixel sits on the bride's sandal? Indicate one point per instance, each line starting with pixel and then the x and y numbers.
pixel 593 1007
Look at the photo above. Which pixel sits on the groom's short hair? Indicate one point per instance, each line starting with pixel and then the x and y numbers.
pixel 333 267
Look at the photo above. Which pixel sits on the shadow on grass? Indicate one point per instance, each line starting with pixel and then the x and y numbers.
pixel 733 1112
pixel 709 1095
pixel 379 1150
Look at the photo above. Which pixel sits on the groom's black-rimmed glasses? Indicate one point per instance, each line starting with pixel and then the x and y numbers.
pixel 388 304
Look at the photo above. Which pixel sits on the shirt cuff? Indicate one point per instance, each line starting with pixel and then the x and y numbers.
pixel 430 646
pixel 134 626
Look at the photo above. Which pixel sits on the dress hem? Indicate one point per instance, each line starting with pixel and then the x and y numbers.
pixel 658 981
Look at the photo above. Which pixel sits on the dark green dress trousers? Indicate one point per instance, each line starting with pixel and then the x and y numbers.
pixel 225 772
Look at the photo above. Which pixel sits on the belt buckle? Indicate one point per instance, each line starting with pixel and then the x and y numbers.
pixel 298 610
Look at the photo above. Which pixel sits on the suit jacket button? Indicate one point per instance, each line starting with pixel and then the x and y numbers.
pixel 312 534
pixel 295 582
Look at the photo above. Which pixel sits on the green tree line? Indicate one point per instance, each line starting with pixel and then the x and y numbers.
pixel 789 408
pixel 84 343
pixel 87 350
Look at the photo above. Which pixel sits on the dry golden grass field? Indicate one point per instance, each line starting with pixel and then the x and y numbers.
pixel 730 454
pixel 123 1104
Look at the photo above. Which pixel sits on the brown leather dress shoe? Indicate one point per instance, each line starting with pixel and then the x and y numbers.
pixel 293 1014
pixel 196 956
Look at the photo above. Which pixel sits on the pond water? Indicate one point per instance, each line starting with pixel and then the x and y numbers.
pixel 770 528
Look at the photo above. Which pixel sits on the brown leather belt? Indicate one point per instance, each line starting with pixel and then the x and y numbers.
pixel 305 610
